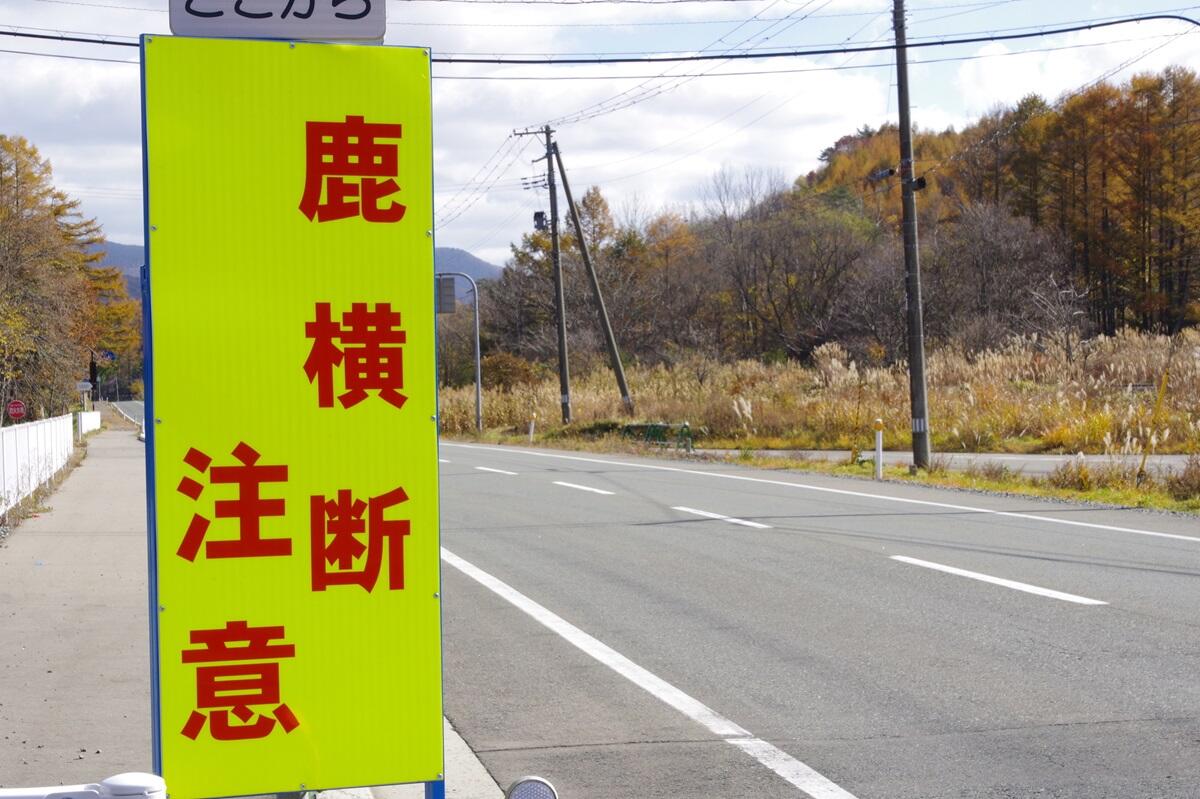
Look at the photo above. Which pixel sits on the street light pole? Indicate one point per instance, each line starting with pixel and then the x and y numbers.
pixel 912 265
pixel 478 369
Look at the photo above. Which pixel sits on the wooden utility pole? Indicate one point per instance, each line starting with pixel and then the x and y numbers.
pixel 912 265
pixel 560 306
pixel 614 355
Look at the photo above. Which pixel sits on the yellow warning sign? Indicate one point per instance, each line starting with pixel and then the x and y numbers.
pixel 292 397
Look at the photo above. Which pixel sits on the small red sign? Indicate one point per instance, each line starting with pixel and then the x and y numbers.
pixel 16 409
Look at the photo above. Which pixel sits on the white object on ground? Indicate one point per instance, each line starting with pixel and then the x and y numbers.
pixel 131 785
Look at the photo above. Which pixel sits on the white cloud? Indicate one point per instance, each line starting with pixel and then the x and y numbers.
pixel 84 116
pixel 1083 57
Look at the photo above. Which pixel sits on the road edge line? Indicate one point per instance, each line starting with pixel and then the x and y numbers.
pixel 1015 585
pixel 797 773
pixel 841 491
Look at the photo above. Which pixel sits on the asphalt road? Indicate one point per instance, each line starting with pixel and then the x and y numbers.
pixel 134 409
pixel 1024 464
pixel 653 628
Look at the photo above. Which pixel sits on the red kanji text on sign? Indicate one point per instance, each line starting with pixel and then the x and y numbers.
pixel 249 508
pixel 339 554
pixel 235 679
pixel 350 169
pixel 370 355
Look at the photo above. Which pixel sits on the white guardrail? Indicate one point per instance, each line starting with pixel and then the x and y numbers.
pixel 89 421
pixel 119 410
pixel 30 454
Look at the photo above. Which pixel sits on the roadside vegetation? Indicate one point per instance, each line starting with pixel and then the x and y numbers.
pixel 1109 481
pixel 1026 396
pixel 1060 257
pixel 1106 480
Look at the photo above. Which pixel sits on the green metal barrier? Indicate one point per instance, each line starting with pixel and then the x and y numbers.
pixel 661 434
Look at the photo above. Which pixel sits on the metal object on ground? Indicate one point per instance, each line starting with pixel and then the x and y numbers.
pixel 531 788
pixel 878 449
pixel 662 434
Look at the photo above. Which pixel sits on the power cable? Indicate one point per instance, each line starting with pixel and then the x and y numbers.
pixel 727 21
pixel 716 57
pixel 1057 105
pixel 757 99
pixel 471 199
pixel 633 97
pixel 818 52
pixel 801 70
pixel 72 57
pixel 480 174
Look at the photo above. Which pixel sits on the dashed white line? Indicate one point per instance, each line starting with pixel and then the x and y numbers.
pixel 789 768
pixel 730 519
pixel 842 492
pixel 987 578
pixel 583 488
pixel 495 471
pixel 442 460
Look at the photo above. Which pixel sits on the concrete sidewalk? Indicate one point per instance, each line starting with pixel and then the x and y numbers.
pixel 74 651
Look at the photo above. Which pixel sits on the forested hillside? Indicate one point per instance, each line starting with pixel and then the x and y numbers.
pixel 1062 218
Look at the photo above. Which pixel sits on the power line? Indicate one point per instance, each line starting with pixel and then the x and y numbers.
pixel 959 154
pixel 727 21
pixel 73 33
pixel 740 56
pixel 483 188
pixel 1057 105
pixel 740 73
pixel 760 97
pixel 971 10
pixel 817 52
pixel 479 175
pixel 647 90
pixel 71 57
pixel 832 68
pixel 64 38
pixel 104 5
pixel 578 2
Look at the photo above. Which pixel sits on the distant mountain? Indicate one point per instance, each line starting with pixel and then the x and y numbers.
pixel 452 259
pixel 130 257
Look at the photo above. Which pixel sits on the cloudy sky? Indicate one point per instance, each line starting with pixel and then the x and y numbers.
pixel 649 135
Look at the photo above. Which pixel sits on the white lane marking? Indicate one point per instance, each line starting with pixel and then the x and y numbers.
pixel 442 460
pixel 987 578
pixel 496 471
pixel 845 492
pixel 798 774
pixel 730 519
pixel 583 488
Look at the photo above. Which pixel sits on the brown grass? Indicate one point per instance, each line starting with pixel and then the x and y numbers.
pixel 1024 396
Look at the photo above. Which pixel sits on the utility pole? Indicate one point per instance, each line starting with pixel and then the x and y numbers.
pixel 912 266
pixel 560 306
pixel 614 356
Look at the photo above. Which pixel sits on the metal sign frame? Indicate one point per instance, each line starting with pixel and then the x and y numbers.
pixel 434 788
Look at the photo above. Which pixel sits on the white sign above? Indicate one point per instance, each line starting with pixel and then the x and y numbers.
pixel 299 20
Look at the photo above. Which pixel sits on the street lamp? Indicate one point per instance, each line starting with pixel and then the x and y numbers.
pixel 478 371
